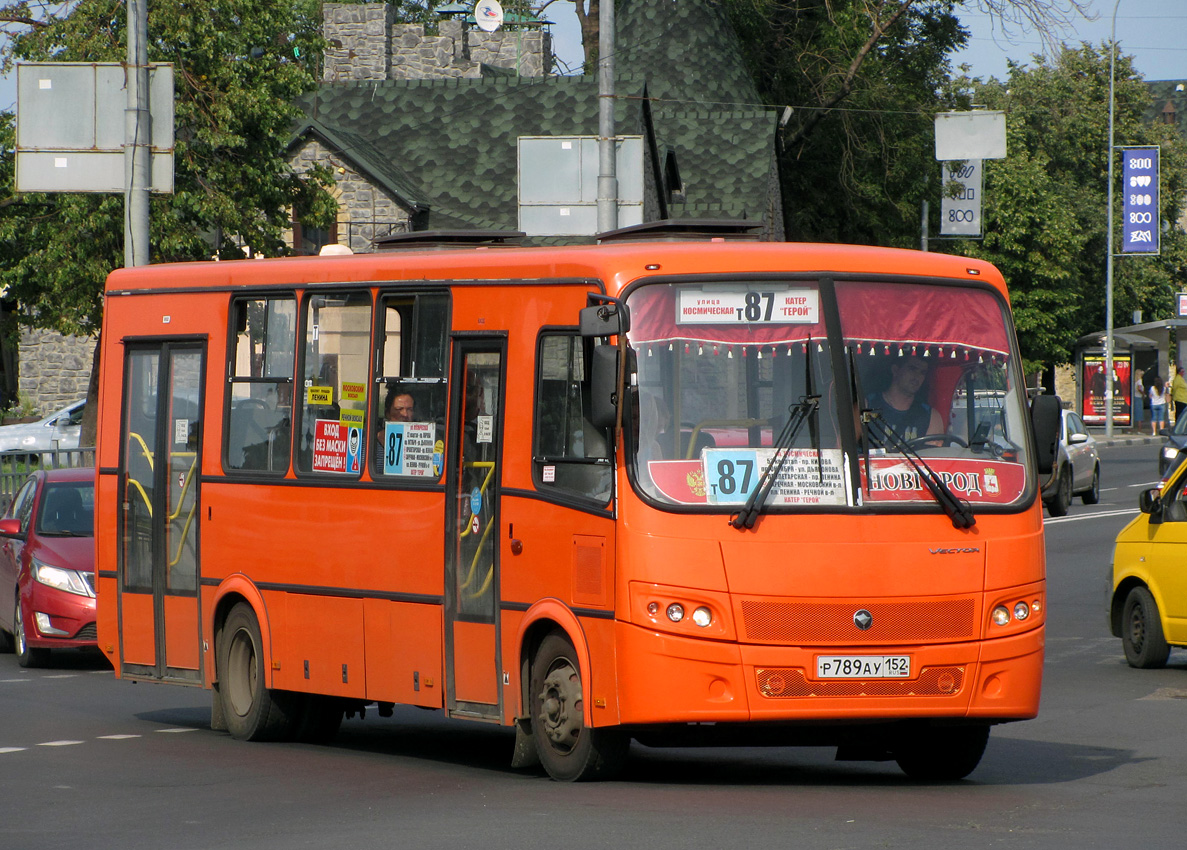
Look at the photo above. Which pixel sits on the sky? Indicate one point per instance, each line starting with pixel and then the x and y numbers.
pixel 1152 31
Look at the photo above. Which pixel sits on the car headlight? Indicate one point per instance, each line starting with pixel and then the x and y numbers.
pixel 59 578
pixel 1169 452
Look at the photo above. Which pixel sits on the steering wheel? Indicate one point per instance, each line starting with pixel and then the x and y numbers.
pixel 927 441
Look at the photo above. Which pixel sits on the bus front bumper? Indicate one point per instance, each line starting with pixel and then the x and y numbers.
pixel 671 679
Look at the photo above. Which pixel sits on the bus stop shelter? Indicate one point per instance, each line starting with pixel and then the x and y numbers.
pixel 1139 352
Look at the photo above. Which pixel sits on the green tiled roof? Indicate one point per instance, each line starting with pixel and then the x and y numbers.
pixel 452 144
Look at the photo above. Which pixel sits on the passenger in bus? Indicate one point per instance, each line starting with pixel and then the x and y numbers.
pixel 398 406
pixel 902 406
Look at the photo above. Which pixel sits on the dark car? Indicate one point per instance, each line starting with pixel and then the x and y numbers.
pixel 47 565
pixel 1172 453
pixel 1077 467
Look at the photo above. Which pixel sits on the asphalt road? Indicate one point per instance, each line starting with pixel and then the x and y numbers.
pixel 90 762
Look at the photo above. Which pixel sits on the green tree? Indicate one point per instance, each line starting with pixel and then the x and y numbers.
pixel 1045 204
pixel 238 66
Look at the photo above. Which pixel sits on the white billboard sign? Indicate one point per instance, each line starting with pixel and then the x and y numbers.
pixel 980 134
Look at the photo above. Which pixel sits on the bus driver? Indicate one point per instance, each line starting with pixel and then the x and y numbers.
pixel 901 404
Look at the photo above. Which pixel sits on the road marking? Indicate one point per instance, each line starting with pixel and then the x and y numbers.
pixel 1093 515
pixel 1147 484
pixel 62 676
pixel 59 743
pixel 1167 693
pixel 116 737
pixel 185 729
pixel 12 681
pixel 4 750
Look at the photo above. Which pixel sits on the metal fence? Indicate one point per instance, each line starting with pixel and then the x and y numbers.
pixel 16 466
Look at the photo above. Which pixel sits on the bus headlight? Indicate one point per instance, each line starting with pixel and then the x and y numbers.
pixel 675 612
pixel 1001 615
pixel 1021 611
pixel 702 616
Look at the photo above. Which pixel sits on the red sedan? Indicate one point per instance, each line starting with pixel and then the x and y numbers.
pixel 47 565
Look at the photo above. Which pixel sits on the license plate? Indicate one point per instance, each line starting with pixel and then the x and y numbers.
pixel 863 666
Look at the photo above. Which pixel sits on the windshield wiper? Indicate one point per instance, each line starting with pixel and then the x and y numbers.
pixel 800 413
pixel 957 510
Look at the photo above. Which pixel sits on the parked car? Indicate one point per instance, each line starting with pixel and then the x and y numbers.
pixel 1172 453
pixel 57 431
pixel 1148 588
pixel 47 565
pixel 1077 467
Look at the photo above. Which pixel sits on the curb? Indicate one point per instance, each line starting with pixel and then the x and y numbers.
pixel 1128 440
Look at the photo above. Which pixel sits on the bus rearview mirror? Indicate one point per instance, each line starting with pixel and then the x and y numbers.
pixel 603 385
pixel 1045 413
pixel 609 319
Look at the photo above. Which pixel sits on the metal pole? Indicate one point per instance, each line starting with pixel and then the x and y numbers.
pixel 1109 257
pixel 137 139
pixel 923 229
pixel 607 174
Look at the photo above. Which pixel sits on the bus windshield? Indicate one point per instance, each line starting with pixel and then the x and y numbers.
pixel 923 369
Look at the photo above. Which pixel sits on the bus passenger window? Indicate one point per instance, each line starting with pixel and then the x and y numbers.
pixel 259 419
pixel 409 397
pixel 571 455
pixel 333 402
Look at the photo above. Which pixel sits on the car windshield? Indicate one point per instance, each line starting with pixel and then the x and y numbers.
pixel 721 369
pixel 67 510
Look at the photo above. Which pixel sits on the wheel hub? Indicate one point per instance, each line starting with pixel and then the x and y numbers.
pixel 561 706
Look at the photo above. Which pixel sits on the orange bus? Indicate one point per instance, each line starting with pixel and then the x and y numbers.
pixel 689 492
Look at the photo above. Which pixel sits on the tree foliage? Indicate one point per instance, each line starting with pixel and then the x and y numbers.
pixel 238 66
pixel 1045 204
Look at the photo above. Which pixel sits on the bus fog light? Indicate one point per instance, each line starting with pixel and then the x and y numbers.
pixel 1001 615
pixel 1021 611
pixel 702 616
pixel 675 612
pixel 652 608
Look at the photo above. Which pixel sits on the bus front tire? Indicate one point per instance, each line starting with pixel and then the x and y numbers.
pixel 941 753
pixel 1141 631
pixel 569 750
pixel 252 711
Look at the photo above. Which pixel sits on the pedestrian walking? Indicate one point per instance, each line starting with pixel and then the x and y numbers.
pixel 1158 420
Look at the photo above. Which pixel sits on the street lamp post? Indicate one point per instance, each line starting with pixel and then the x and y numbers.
pixel 1109 255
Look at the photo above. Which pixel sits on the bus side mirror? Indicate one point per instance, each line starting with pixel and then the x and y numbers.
pixel 1045 414
pixel 607 319
pixel 603 384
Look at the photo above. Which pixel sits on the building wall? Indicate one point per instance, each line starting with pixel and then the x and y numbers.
pixel 54 369
pixel 365 211
pixel 366 44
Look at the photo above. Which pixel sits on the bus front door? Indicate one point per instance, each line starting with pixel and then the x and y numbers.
pixel 472 529
pixel 158 530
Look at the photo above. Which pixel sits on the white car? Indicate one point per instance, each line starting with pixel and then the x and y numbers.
pixel 57 431
pixel 1077 467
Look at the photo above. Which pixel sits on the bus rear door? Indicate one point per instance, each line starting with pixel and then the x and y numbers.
pixel 159 502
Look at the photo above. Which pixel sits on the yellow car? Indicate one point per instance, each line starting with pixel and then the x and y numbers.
pixel 1147 607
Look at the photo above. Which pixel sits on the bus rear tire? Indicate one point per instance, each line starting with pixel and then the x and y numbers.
pixel 252 711
pixel 941 753
pixel 569 750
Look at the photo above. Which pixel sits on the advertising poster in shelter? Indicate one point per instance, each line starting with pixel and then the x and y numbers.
pixel 1092 389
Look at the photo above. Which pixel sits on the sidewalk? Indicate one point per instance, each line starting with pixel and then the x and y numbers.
pixel 1125 437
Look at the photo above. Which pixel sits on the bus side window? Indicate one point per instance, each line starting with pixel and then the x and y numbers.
pixel 260 376
pixel 335 368
pixel 570 454
pixel 410 384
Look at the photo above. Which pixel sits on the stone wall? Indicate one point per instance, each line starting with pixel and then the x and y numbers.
pixel 364 209
pixel 54 369
pixel 365 44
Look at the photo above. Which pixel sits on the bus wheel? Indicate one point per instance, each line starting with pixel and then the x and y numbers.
pixel 1141 631
pixel 569 750
pixel 252 712
pixel 941 753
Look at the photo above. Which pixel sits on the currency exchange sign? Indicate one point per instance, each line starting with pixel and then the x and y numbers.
pixel 1139 206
